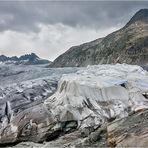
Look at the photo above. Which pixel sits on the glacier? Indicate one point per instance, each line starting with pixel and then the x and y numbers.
pixel 40 104
pixel 101 93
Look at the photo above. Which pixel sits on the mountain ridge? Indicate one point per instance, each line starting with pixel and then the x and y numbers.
pixel 141 15
pixel 27 59
pixel 126 45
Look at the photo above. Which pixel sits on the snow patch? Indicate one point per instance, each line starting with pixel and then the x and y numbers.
pixel 13 128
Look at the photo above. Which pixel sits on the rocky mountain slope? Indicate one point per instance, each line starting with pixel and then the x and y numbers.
pixel 28 59
pixel 127 45
pixel 84 110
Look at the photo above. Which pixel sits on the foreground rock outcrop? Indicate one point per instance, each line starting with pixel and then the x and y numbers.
pixel 82 110
pixel 130 131
pixel 126 132
pixel 33 124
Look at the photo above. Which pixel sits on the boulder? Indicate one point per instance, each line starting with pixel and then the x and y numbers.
pixel 33 124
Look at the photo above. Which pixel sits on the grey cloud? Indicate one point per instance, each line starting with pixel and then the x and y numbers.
pixel 25 16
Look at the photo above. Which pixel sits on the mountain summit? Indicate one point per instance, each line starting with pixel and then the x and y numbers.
pixel 27 59
pixel 140 16
pixel 127 45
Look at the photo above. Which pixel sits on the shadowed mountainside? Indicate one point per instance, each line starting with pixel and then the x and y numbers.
pixel 127 45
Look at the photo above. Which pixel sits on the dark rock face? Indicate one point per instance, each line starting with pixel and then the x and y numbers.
pixel 141 15
pixel 127 132
pixel 127 45
pixel 33 124
pixel 3 58
pixel 28 59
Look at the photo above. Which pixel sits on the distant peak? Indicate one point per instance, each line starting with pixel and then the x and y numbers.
pixel 27 59
pixel 2 55
pixel 141 15
pixel 33 54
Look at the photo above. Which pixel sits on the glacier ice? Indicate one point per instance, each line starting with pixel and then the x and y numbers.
pixel 33 108
pixel 99 93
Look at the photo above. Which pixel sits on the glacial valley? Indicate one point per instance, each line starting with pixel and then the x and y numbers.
pixel 99 105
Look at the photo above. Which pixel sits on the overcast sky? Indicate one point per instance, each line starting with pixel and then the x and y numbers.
pixel 50 28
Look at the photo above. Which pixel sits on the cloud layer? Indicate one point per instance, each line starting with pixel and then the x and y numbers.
pixel 50 28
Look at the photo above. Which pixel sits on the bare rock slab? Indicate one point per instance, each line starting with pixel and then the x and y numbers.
pixel 131 131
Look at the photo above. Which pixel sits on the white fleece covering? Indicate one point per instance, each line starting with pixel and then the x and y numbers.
pixel 99 93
